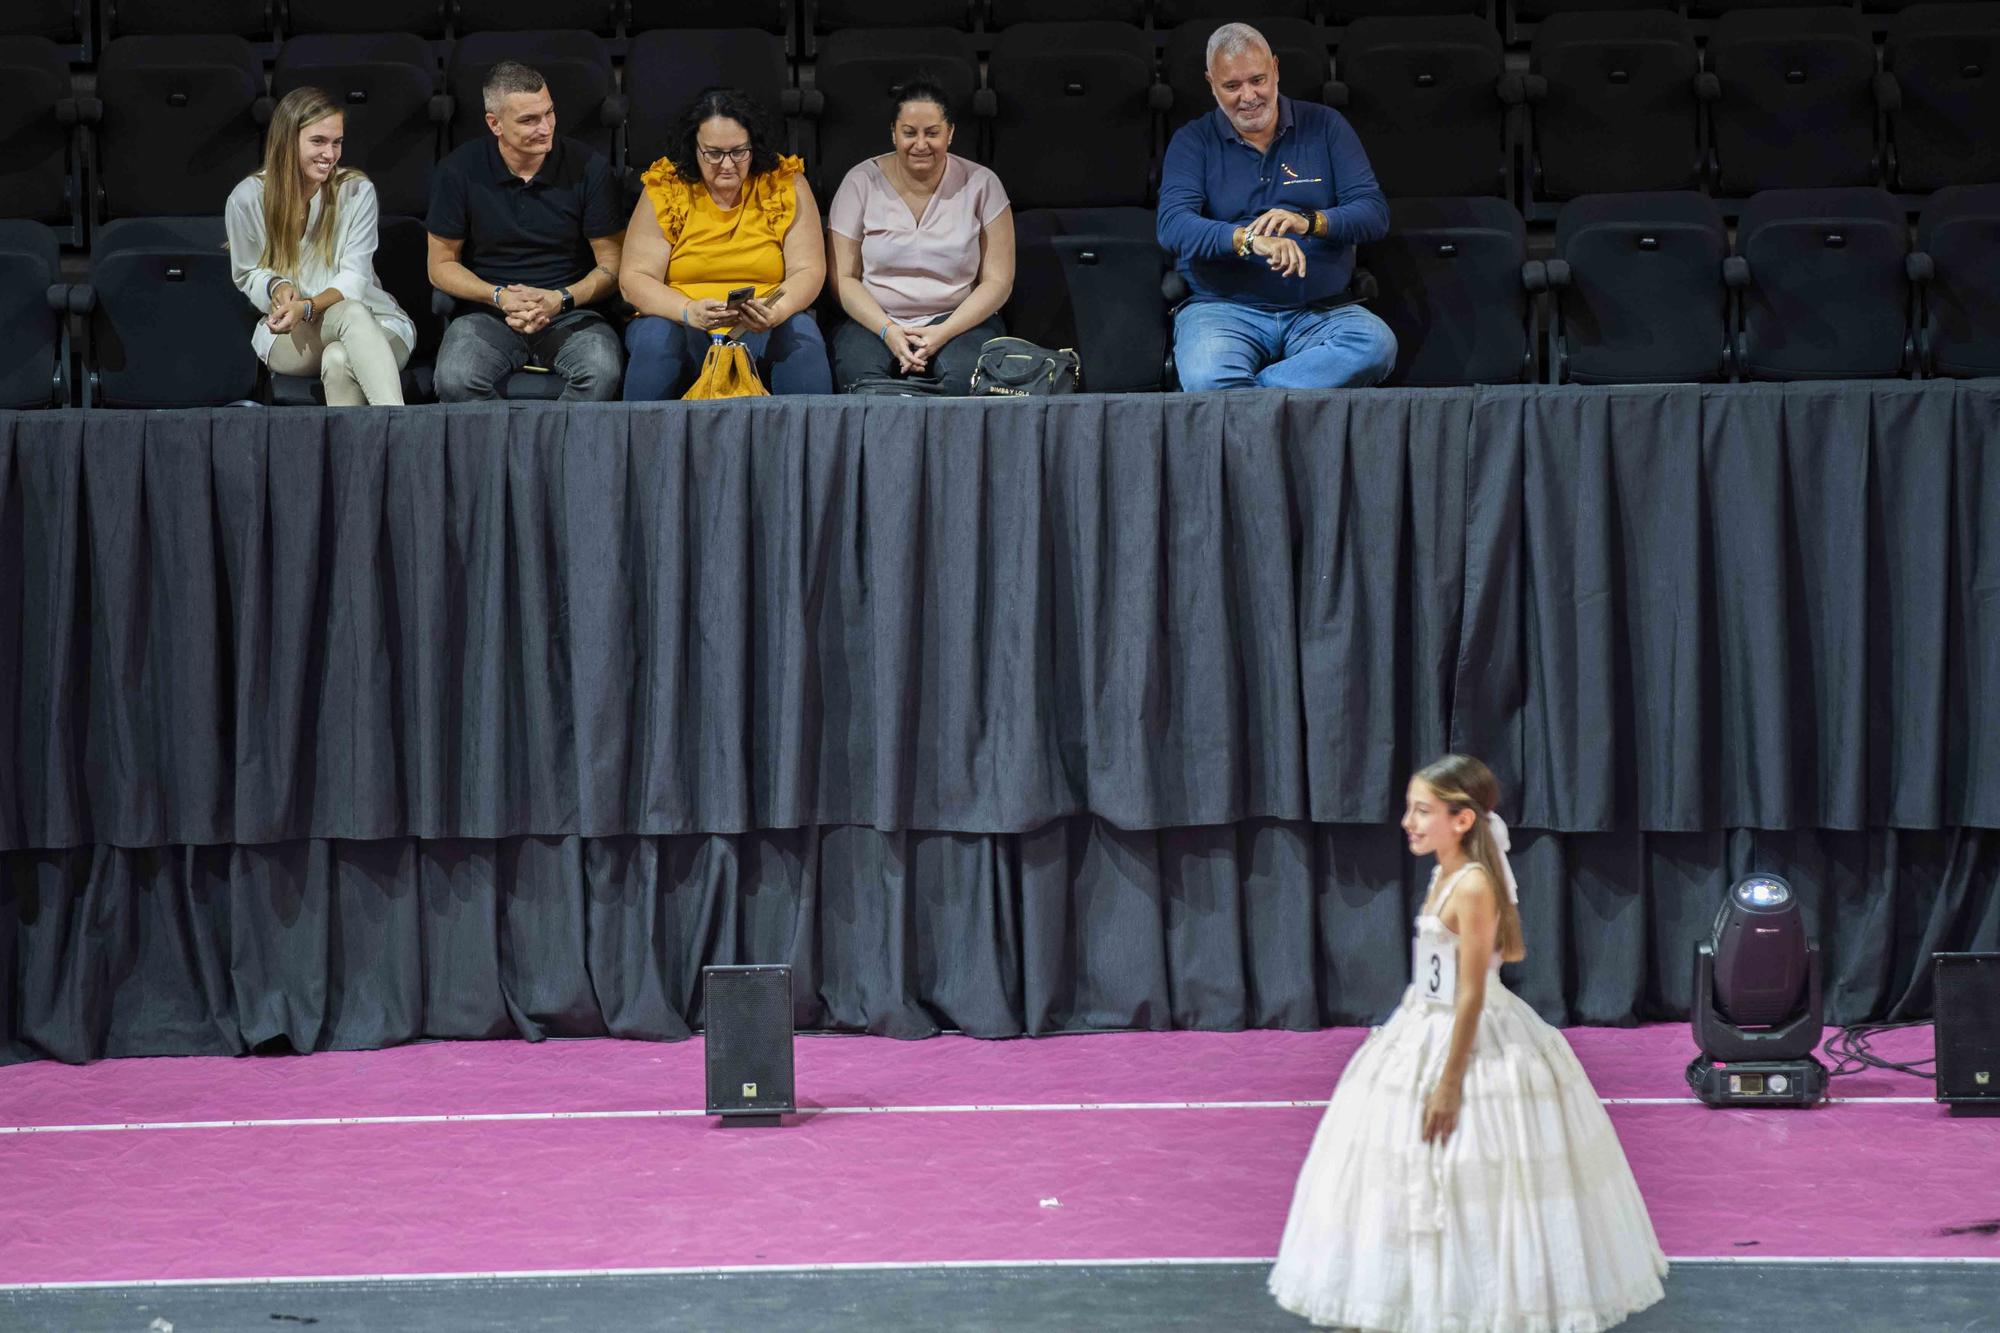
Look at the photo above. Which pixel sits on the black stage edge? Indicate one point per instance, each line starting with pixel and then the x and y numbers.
pixel 1016 716
pixel 1767 1297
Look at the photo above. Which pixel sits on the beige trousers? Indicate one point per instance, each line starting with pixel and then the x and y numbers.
pixel 355 358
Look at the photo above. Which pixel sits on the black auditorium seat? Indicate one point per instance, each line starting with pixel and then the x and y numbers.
pixel 1615 104
pixel 1039 308
pixel 830 16
pixel 1212 14
pixel 598 16
pixel 1120 317
pixel 34 303
pixel 419 18
pixel 1430 98
pixel 1796 99
pixel 1946 63
pixel 1960 232
pixel 575 63
pixel 664 70
pixel 1524 15
pixel 1536 11
pixel 1450 282
pixel 1009 13
pixel 855 73
pixel 40 175
pixel 64 22
pixel 1709 9
pixel 1073 125
pixel 1824 285
pixel 1347 11
pixel 646 15
pixel 167 326
pixel 402 266
pixel 1639 295
pixel 182 121
pixel 388 87
pixel 1303 67
pixel 159 18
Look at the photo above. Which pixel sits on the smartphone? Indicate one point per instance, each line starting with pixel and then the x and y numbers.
pixel 738 295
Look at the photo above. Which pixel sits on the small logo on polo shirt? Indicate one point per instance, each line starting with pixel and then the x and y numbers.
pixel 1293 177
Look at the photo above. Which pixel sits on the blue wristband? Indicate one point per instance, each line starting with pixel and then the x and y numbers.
pixel 884 334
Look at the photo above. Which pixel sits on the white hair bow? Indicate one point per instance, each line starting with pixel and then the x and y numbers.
pixel 1503 844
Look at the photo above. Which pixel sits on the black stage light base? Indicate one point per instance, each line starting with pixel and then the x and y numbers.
pixel 748 1121
pixel 1758 1082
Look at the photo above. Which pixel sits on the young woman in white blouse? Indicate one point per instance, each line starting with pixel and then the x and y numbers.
pixel 302 247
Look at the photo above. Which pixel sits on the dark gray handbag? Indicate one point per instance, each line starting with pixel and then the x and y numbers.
pixel 1017 368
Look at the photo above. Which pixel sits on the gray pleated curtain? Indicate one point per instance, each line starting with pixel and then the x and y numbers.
pixel 334 729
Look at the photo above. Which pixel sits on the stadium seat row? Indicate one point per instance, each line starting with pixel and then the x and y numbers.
pixel 1641 288
pixel 79 24
pixel 1609 102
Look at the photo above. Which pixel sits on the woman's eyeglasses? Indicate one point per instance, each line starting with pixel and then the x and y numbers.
pixel 714 156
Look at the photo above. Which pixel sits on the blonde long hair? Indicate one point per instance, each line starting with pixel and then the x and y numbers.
pixel 1463 783
pixel 286 202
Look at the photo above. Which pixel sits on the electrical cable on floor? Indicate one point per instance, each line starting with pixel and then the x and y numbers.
pixel 1850 1051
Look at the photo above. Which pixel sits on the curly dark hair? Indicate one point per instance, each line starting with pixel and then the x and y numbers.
pixel 730 104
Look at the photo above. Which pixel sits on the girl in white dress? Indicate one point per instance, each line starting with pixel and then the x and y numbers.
pixel 1465 1176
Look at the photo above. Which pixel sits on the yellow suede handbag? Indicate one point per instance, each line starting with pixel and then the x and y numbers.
pixel 726 372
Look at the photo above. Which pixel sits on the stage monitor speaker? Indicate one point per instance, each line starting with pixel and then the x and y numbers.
pixel 747 1016
pixel 1968 1031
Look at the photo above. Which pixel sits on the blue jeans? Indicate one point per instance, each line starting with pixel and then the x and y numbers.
pixel 1221 345
pixel 479 352
pixel 665 357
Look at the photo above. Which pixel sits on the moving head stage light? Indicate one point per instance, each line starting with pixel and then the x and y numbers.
pixel 1757 1011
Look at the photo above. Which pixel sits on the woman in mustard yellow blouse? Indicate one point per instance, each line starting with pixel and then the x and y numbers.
pixel 723 211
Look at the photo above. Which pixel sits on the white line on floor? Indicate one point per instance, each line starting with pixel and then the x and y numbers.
pixel 689 1113
pixel 731 1270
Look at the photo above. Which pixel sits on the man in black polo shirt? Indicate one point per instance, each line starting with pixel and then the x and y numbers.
pixel 525 232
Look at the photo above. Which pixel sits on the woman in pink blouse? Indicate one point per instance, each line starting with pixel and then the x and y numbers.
pixel 920 251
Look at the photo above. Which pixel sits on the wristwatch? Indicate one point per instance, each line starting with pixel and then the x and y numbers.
pixel 569 301
pixel 497 289
pixel 1314 219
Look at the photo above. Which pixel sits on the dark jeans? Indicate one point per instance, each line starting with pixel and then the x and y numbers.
pixel 479 352
pixel 666 357
pixel 858 351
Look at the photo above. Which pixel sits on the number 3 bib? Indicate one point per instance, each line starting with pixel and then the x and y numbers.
pixel 1434 969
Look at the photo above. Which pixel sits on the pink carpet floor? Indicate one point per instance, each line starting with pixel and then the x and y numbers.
pixel 120 1172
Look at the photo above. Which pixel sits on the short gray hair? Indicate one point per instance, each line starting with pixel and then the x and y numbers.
pixel 507 78
pixel 1233 39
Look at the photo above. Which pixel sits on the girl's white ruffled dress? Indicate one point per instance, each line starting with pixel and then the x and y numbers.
pixel 1526 1220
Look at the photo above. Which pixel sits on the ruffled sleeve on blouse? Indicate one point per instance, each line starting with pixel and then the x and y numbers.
pixel 672 198
pixel 779 194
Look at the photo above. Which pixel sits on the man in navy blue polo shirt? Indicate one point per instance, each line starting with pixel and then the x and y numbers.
pixel 1262 202
pixel 525 230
